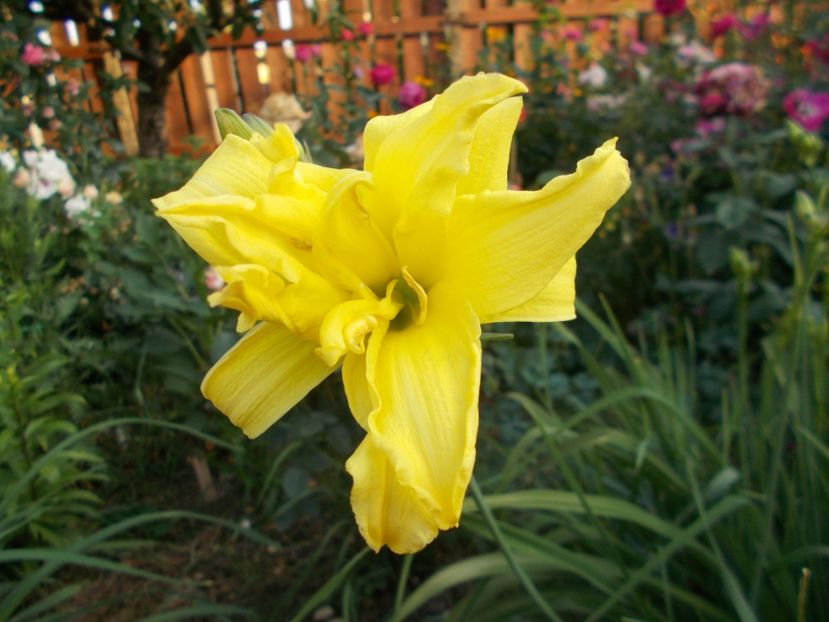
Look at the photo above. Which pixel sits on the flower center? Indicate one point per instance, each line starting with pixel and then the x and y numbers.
pixel 414 300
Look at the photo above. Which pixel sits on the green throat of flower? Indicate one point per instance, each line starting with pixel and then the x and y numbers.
pixel 412 296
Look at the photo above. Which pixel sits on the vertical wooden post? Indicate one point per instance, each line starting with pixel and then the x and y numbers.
pixel 653 29
pixel 413 65
pixel 494 34
pixel 464 41
pixel 124 121
pixel 522 41
pixel 212 94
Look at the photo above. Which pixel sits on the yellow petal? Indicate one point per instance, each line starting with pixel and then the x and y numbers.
pixel 280 147
pixel 228 230
pixel 490 151
pixel 387 513
pixel 505 247
pixel 322 177
pixel 263 376
pixel 417 167
pixel 235 168
pixel 296 218
pixel 555 303
pixel 252 291
pixel 345 327
pixel 360 396
pixel 426 380
pixel 259 294
pixel 349 242
pixel 379 128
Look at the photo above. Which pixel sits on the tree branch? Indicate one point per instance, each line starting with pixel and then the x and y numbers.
pixel 176 55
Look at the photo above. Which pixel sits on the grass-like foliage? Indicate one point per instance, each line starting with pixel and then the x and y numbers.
pixel 651 507
pixel 663 457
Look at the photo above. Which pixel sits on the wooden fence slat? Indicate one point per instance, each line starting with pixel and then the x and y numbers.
pixel 420 42
pixel 653 28
pixel 522 38
pixel 195 90
pixel 226 86
pixel 121 101
pixel 212 93
pixel 280 78
pixel 177 127
pixel 299 14
pixel 413 61
pixel 130 69
pixel 466 41
pixel 253 93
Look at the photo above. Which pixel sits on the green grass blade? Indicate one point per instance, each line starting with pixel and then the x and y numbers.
pixel 206 611
pixel 330 586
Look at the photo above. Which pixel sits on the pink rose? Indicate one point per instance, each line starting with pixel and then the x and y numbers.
pixel 411 94
pixel 302 52
pixel 382 74
pixel 637 48
pixel 666 8
pixel 707 127
pixel 72 87
pixel 755 28
pixel 808 108
pixel 33 55
pixel 819 48
pixel 600 23
pixel 346 35
pixel 723 24
pixel 365 28
pixel 572 33
pixel 733 88
pixel 712 103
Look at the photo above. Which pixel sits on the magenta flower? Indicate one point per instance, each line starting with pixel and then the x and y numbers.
pixel 712 103
pixel 572 33
pixel 365 28
pixel 302 52
pixel 722 25
pixel 666 8
pixel 819 48
pixel 599 23
pixel 382 74
pixel 33 55
pixel 707 127
pixel 346 35
pixel 733 88
pixel 638 48
pixel 411 94
pixel 72 87
pixel 754 28
pixel 807 108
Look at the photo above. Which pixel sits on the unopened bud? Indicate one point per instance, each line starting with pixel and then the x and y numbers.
pixel 230 122
pixel 741 265
pixel 808 144
pixel 258 124
pixel 815 219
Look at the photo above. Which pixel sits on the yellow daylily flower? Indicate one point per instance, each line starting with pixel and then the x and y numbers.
pixel 388 274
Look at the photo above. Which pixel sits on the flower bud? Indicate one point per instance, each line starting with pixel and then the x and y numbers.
pixel 21 178
pixel 230 122
pixel 741 265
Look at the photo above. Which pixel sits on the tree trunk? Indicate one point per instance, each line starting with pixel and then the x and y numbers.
pixel 152 125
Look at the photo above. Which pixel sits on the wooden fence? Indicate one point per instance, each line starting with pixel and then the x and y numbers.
pixel 415 36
